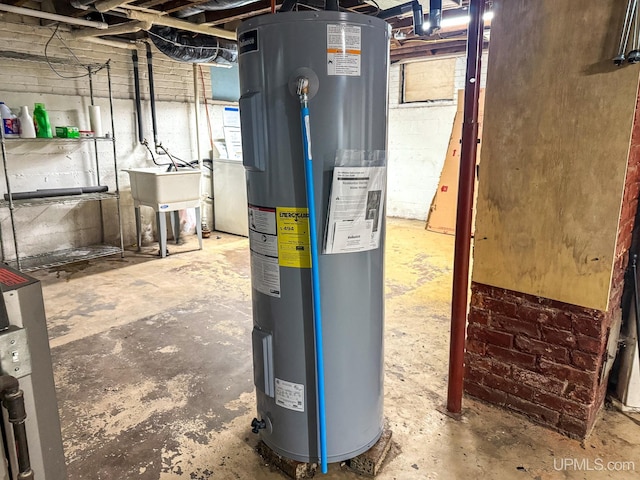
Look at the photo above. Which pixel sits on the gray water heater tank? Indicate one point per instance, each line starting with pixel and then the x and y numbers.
pixel 345 57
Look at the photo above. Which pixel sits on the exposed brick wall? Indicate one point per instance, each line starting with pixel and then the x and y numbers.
pixel 544 358
pixel 536 356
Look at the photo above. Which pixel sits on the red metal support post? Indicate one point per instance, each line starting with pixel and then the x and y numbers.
pixel 464 217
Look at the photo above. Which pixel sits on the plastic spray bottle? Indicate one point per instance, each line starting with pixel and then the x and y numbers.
pixel 43 126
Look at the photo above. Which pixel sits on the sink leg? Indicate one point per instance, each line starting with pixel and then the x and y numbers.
pixel 175 225
pixel 138 228
pixel 161 223
pixel 199 227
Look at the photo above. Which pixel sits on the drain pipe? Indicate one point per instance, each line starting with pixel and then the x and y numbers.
pixel 303 91
pixel 636 297
pixel 464 217
pixel 136 83
pixel 152 95
pixel 13 401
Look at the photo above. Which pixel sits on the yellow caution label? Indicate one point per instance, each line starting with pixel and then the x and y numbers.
pixel 293 237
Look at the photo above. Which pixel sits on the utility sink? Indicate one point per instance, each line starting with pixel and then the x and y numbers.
pixel 165 191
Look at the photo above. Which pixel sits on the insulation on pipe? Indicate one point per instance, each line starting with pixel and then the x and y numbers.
pixel 56 192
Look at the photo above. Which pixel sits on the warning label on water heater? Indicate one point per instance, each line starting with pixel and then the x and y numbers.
pixel 265 271
pixel 344 44
pixel 290 395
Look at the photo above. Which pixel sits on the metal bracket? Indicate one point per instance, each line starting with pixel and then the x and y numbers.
pixel 15 357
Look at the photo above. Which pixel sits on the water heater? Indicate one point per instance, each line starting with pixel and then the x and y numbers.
pixel 343 59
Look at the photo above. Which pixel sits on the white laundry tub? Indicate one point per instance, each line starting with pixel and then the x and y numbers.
pixel 165 191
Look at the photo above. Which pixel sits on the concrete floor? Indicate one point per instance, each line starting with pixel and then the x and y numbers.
pixel 152 362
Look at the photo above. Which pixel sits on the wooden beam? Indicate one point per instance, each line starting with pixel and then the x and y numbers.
pixel 413 53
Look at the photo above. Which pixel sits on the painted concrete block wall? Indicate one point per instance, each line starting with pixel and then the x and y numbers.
pixel 60 165
pixel 418 139
pixel 418 136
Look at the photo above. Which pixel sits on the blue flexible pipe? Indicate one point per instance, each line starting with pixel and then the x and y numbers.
pixel 315 281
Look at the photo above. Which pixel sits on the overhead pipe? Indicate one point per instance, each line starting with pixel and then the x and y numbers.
pixel 152 95
pixel 120 29
pixel 136 84
pixel 29 12
pixel 168 21
pixel 464 216
pixel 113 43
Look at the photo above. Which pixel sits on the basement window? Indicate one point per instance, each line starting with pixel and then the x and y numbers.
pixel 429 80
pixel 225 83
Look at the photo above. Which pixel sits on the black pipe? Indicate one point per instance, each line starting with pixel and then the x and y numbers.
pixel 396 11
pixel 435 16
pixel 136 83
pixel 152 95
pixel 13 401
pixel 94 189
pixel 51 192
pixel 56 192
pixel 636 297
pixel 288 5
pixel 331 5
pixel 418 18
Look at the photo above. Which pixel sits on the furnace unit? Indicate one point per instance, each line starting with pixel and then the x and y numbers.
pixel 25 355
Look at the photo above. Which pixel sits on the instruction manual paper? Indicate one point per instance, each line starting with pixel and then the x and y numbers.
pixel 355 209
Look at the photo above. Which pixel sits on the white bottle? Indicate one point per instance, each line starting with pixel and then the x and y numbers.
pixel 9 122
pixel 27 129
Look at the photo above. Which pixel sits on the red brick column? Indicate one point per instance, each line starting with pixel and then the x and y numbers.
pixel 544 358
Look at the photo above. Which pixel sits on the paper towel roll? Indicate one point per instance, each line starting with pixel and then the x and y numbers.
pixel 95 119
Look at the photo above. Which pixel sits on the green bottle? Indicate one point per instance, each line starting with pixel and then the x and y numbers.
pixel 41 117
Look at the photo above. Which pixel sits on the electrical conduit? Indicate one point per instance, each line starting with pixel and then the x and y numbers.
pixel 303 90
